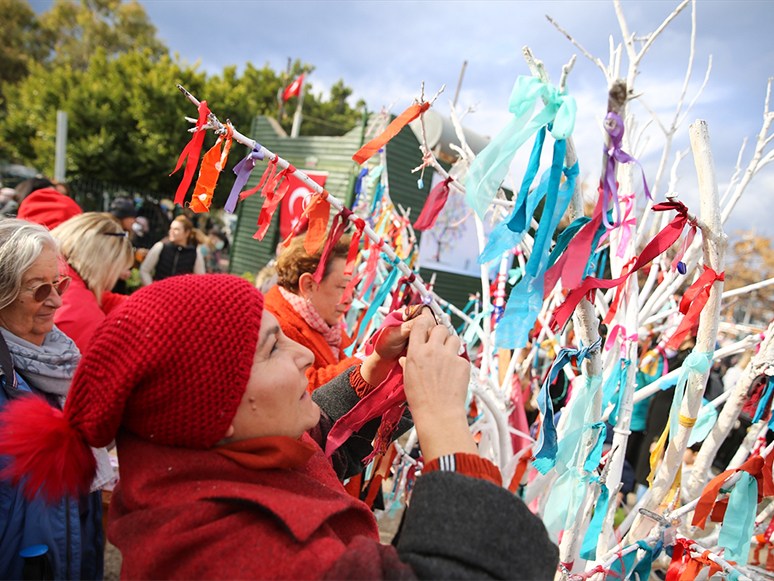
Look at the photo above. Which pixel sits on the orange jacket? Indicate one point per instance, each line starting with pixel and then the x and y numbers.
pixel 325 366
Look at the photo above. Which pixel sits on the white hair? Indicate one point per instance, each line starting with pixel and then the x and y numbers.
pixel 21 243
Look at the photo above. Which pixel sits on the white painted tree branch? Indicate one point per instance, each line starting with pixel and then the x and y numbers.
pixel 714 246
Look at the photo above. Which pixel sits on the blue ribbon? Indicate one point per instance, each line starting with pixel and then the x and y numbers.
pixel 518 220
pixel 565 500
pixel 739 521
pixel 626 563
pixel 526 298
pixel 358 189
pixel 695 363
pixel 578 421
pixel 617 379
pixel 488 170
pixel 764 400
pixel 545 456
pixel 377 199
pixel 242 170
pixel 589 547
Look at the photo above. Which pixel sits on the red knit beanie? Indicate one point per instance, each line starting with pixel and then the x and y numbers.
pixel 170 364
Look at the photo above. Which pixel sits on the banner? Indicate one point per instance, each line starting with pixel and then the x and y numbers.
pixel 296 200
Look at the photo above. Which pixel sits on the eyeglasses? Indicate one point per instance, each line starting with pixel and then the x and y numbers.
pixel 41 291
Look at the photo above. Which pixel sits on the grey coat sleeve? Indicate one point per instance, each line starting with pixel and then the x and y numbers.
pixel 458 527
pixel 335 399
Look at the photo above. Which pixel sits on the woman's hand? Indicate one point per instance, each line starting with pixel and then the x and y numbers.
pixel 392 343
pixel 436 384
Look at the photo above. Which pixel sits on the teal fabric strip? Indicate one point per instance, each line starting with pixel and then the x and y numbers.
pixel 612 384
pixel 739 521
pixel 526 298
pixel 490 166
pixel 545 454
pixel 589 547
pixel 564 238
pixel 377 199
pixel 764 400
pixel 708 416
pixel 518 220
pixel 565 500
pixel 595 456
pixel 379 298
pixel 579 414
pixel 695 363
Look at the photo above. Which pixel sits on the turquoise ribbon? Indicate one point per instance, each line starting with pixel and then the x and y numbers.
pixel 518 220
pixel 578 420
pixel 377 301
pixel 698 363
pixel 545 455
pixel 565 500
pixel 470 332
pixel 739 521
pixel 564 238
pixel 617 379
pixel 589 547
pixel 642 570
pixel 488 170
pixel 764 400
pixel 705 421
pixel 526 298
pixel 595 456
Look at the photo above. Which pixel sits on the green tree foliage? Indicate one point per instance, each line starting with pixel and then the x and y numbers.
pixel 22 41
pixel 104 66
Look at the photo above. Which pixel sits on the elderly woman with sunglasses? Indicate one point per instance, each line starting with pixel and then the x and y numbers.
pixel 37 357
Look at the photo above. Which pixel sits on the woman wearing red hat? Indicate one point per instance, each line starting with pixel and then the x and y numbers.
pixel 219 444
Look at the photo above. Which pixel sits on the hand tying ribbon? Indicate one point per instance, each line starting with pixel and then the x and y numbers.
pixel 488 170
pixel 615 128
pixel 191 154
pixel 213 163
pixel 660 243
pixel 545 456
pixel 433 205
pixel 370 148
pixel 242 170
pixel 693 302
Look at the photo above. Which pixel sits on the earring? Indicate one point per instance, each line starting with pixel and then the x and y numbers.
pixel 308 300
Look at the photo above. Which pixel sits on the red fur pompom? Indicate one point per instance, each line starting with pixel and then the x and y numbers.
pixel 44 454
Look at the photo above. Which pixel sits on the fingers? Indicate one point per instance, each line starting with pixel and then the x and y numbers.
pixel 420 329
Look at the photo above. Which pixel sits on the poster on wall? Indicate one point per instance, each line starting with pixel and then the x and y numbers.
pixel 451 245
pixel 296 199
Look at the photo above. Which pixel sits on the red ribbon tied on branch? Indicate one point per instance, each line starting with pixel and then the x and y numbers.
pixel 370 148
pixel 273 192
pixel 190 154
pixel 692 303
pixel 684 567
pixel 660 243
pixel 435 202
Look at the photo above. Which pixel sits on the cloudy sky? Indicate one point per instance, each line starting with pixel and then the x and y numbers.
pixel 384 50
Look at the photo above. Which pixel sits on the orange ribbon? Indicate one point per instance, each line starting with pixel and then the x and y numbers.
pixel 319 212
pixel 213 163
pixel 191 154
pixel 370 148
pixel 706 504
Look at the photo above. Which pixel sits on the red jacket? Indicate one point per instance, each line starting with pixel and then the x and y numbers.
pixel 325 366
pixel 194 514
pixel 80 313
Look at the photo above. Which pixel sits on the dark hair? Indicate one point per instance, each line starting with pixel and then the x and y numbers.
pixel 123 208
pixel 294 261
pixel 26 187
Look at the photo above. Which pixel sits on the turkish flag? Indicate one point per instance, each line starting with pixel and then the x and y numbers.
pixel 294 89
pixel 296 199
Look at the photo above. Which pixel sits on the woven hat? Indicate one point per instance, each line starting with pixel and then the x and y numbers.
pixel 170 364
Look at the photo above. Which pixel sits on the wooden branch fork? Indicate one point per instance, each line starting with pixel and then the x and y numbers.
pixel 417 283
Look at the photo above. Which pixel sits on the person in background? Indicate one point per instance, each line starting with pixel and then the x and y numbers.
pixel 309 313
pixel 38 362
pixel 97 251
pixel 223 475
pixel 49 207
pixel 180 255
pixel 125 212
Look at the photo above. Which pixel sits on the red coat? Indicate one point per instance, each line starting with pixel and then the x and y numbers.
pixel 194 514
pixel 80 313
pixel 325 366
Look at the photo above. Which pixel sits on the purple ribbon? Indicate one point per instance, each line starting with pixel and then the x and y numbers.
pixel 242 170
pixel 615 127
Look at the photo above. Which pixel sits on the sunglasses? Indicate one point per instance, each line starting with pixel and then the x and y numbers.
pixel 41 291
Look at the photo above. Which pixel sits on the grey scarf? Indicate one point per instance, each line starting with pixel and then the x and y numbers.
pixel 50 368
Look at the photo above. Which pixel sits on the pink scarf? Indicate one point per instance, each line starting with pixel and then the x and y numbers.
pixel 332 335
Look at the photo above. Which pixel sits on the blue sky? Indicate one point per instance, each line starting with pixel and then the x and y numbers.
pixel 384 50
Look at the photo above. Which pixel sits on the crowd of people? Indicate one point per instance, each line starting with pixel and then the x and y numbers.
pixel 219 401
